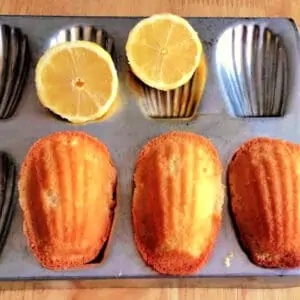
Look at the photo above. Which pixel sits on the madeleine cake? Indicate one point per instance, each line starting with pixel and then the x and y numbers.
pixel 66 188
pixel 264 187
pixel 177 202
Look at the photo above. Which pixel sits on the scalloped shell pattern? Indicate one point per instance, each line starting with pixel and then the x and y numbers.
pixel 83 32
pixel 252 68
pixel 264 188
pixel 14 66
pixel 67 194
pixel 177 202
pixel 180 103
pixel 8 197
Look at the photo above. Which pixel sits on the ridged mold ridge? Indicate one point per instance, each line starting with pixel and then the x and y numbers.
pixel 180 103
pixel 83 32
pixel 14 65
pixel 8 197
pixel 252 68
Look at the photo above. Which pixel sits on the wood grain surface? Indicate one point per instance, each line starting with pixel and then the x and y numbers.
pixel 289 8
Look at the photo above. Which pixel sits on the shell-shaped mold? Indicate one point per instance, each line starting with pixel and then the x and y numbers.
pixel 180 103
pixel 86 33
pixel 67 194
pixel 264 190
pixel 14 65
pixel 177 201
pixel 7 195
pixel 252 69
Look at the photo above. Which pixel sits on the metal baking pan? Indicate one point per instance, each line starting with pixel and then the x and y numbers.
pixel 128 129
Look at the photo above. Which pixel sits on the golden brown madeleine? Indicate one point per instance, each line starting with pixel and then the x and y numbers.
pixel 264 186
pixel 177 202
pixel 66 189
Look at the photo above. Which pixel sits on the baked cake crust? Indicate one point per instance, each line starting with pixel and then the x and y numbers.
pixel 177 202
pixel 66 191
pixel 264 190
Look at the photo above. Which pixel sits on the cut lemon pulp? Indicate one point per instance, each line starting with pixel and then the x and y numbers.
pixel 163 51
pixel 77 81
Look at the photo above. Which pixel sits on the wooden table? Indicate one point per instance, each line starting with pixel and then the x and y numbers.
pixel 288 8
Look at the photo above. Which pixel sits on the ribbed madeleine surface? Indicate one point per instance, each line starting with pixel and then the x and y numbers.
pixel 66 189
pixel 264 183
pixel 177 202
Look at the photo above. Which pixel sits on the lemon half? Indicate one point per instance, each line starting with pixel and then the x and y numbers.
pixel 163 51
pixel 77 81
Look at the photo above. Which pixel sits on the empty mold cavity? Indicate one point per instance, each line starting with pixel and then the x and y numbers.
pixel 83 33
pixel 8 198
pixel 180 103
pixel 14 63
pixel 252 70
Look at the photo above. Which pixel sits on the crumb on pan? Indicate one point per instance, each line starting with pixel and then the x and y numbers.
pixel 228 258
